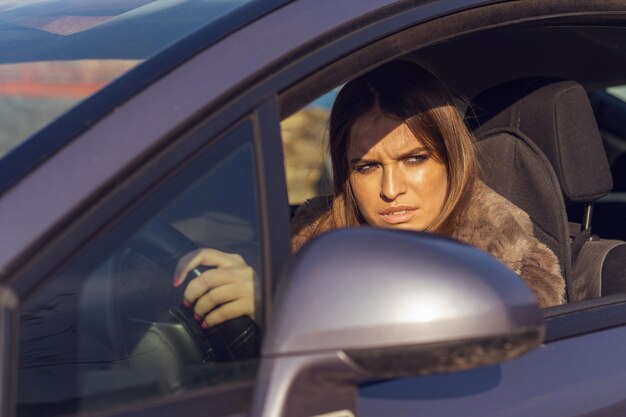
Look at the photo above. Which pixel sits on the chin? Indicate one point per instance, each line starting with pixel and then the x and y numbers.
pixel 404 226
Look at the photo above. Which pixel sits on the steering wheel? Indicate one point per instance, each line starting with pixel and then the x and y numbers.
pixel 175 333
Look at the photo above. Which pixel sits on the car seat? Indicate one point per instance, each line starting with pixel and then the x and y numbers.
pixel 540 147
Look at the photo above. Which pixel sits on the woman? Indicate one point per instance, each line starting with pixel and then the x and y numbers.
pixel 402 158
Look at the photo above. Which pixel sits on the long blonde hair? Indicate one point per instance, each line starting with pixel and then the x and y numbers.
pixel 408 93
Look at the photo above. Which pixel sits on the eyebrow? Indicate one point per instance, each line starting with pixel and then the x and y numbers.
pixel 412 152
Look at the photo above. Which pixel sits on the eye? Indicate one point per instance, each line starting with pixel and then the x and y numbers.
pixel 364 168
pixel 415 160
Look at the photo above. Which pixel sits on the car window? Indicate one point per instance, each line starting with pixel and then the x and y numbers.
pixel 618 91
pixel 56 53
pixel 309 174
pixel 32 94
pixel 609 105
pixel 111 328
pixel 307 163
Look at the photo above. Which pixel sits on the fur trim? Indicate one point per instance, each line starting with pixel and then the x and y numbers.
pixel 311 219
pixel 490 222
pixel 495 225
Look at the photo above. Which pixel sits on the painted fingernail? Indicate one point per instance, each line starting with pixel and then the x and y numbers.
pixel 176 282
pixel 186 304
pixel 197 316
pixel 204 325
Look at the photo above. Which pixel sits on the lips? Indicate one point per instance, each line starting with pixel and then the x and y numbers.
pixel 397 215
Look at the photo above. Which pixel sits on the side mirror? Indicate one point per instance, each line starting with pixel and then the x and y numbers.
pixel 364 304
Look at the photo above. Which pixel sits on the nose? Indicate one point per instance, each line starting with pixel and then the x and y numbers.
pixel 393 183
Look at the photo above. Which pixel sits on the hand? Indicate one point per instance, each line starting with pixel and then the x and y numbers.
pixel 219 294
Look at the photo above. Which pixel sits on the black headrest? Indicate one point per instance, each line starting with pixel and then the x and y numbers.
pixel 557 116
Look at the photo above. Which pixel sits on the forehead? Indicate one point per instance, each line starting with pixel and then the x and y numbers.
pixel 375 133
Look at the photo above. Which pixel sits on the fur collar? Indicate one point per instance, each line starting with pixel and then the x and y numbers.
pixel 490 223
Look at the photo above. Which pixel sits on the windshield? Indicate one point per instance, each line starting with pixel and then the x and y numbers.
pixel 56 53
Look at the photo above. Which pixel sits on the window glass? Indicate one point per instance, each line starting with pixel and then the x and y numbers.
pixel 34 93
pixel 307 163
pixel 618 91
pixel 112 329
pixel 609 105
pixel 56 53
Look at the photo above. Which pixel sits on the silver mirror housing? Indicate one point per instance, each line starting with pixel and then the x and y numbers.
pixel 366 303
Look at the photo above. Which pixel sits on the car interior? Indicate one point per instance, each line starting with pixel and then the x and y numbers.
pixel 569 128
pixel 542 149
pixel 538 100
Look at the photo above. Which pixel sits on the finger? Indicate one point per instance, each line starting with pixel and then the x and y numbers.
pixel 223 295
pixel 214 278
pixel 225 312
pixel 206 256
pixel 185 265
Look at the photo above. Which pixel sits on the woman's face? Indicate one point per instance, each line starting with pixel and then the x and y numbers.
pixel 395 181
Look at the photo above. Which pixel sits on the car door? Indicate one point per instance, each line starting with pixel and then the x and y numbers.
pixel 577 372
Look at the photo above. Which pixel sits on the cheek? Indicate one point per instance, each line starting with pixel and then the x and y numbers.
pixel 436 183
pixel 428 185
pixel 364 192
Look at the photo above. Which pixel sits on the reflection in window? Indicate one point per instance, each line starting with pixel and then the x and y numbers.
pixel 32 94
pixel 55 53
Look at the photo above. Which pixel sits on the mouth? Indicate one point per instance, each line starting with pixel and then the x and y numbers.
pixel 397 215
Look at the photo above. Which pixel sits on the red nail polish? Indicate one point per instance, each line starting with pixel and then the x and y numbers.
pixel 176 283
pixel 186 304
pixel 204 325
pixel 197 316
